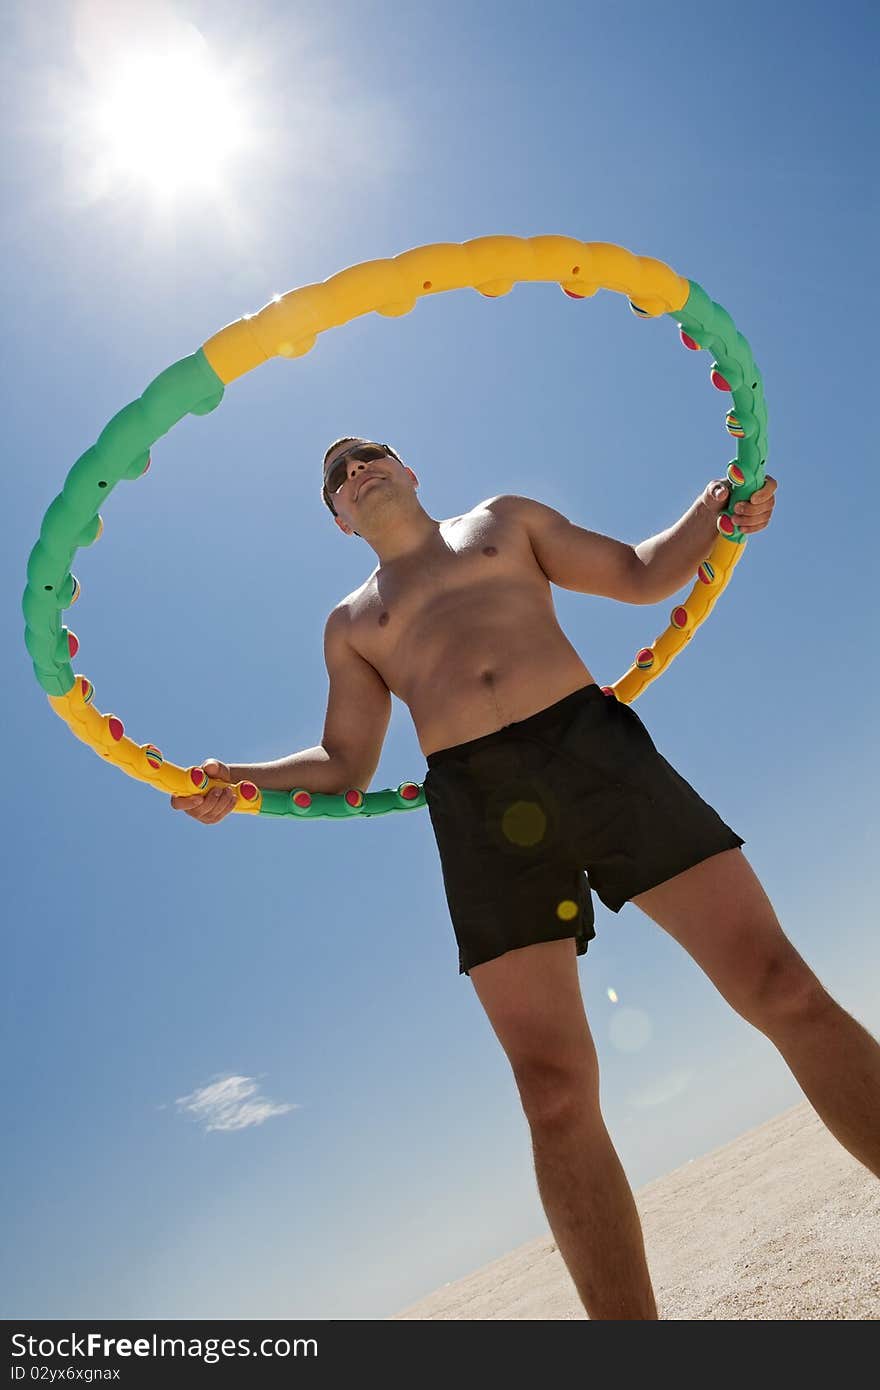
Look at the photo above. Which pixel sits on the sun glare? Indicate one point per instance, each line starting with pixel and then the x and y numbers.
pixel 167 119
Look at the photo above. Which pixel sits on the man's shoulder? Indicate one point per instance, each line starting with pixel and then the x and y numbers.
pixel 513 508
pixel 508 503
pixel 340 615
pixel 345 609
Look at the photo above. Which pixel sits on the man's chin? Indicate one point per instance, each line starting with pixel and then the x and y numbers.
pixel 370 487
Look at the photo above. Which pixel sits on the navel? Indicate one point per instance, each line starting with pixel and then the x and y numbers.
pixel 490 550
pixel 383 619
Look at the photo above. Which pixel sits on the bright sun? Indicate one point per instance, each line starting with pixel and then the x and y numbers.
pixel 168 119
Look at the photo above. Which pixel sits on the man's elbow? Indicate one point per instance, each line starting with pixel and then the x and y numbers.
pixel 644 589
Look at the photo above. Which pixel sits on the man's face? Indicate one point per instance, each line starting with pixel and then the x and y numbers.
pixel 363 480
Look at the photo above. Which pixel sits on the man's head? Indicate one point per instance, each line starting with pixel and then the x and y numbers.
pixel 348 465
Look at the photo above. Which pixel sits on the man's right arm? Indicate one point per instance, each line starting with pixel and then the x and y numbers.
pixel 358 713
pixel 358 705
pixel 312 768
pixel 355 726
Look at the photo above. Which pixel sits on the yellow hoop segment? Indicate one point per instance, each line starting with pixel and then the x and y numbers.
pixel 289 325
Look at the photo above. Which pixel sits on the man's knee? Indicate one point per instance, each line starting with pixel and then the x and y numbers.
pixel 532 997
pixel 784 991
pixel 558 1093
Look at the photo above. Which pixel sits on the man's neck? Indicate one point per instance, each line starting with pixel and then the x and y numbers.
pixel 406 539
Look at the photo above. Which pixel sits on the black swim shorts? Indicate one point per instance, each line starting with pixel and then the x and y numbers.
pixel 520 814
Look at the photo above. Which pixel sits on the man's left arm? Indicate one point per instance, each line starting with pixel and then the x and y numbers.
pixel 589 563
pixel 671 559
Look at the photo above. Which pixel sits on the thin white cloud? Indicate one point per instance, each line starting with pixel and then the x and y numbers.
pixel 230 1102
pixel 664 1088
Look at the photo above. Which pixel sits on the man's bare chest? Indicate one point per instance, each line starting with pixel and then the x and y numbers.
pixel 476 559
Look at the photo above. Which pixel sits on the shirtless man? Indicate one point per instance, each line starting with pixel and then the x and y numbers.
pixel 534 774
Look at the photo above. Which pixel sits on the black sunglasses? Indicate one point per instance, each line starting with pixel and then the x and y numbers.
pixel 336 475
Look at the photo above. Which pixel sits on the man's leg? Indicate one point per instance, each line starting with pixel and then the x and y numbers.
pixel 720 913
pixel 533 999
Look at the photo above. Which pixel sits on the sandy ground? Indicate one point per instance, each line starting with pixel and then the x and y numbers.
pixel 782 1223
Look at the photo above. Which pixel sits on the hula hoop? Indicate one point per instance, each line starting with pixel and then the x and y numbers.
pixel 288 327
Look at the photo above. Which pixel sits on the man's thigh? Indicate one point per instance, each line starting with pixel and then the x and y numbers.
pixel 532 997
pixel 719 912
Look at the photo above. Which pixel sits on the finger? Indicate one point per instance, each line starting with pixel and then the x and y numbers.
pixel 212 798
pixel 749 524
pixel 197 805
pixel 218 804
pixel 192 805
pixel 766 490
pixel 752 509
pixel 216 770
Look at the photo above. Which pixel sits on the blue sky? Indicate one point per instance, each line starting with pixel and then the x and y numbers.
pixel 149 958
